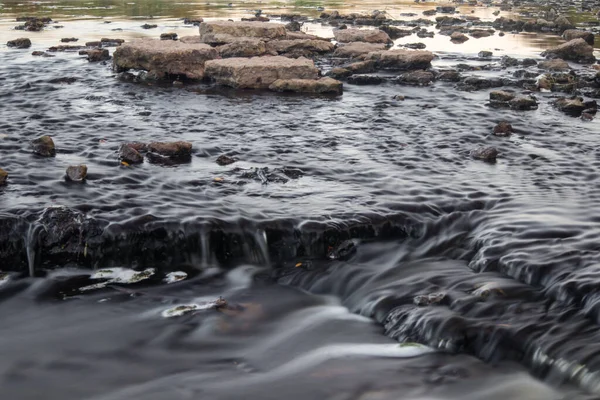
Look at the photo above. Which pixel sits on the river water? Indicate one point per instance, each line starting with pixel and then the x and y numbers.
pixel 362 252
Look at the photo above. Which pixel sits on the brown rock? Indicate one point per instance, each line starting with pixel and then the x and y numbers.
pixel 501 96
pixel 417 78
pixel 571 34
pixel 77 173
pixel 554 65
pixel 299 46
pixel 130 155
pixel 355 49
pixel 259 72
pixel 220 32
pixel 575 50
pixel 225 160
pixel 168 36
pixel 402 59
pixel 487 154
pixel 247 47
pixel 67 40
pixel 479 33
pixel 3 177
pixel 96 55
pixel 320 86
pixel 44 146
pixel 162 58
pixel 171 149
pixel 503 129
pixel 523 103
pixel 361 35
pixel 458 37
pixel 20 43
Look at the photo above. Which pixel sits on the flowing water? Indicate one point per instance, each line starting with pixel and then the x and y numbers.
pixel 362 253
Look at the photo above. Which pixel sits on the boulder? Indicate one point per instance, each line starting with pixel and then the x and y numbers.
pixel 3 177
pixel 458 37
pixel 299 47
pixel 77 173
pixel 356 49
pixel 402 59
pixel 44 146
pixel 162 58
pixel 503 129
pixel 562 24
pixel 571 34
pixel 96 55
pixel 417 78
pixel 129 154
pixel 319 86
pixel 487 154
pixel 20 43
pixel 554 65
pixel 248 47
pixel 523 103
pixel 221 32
pixel 574 50
pixel 259 72
pixel 575 105
pixel 361 35
pixel 174 150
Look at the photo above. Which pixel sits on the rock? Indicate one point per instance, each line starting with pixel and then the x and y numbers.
pixel 293 26
pixel 20 43
pixel 129 154
pixel 395 33
pixel 256 19
pixel 249 47
pixel 320 86
pixel 365 80
pixel 361 35
pixel 42 54
pixel 77 173
pixel 108 42
pixel 480 33
pixel 62 48
pixel 399 97
pixel 339 73
pixel 225 160
pixel 523 103
pixel 562 23
pixel 501 96
pixel 418 78
pixel 503 129
pixel 508 61
pixel 33 24
pixel 44 146
pixel 176 150
pixel 402 59
pixel 362 67
pixel 574 106
pixel 458 37
pixel 299 47
pixel 487 154
pixel 193 21
pixel 528 62
pixel 163 58
pixel 149 26
pixel 415 46
pixel 485 54
pixel 67 40
pixel 449 75
pixel 93 44
pixel 571 34
pixel 168 36
pixel 3 177
pixel 222 32
pixel 574 50
pixel 554 65
pixel 429 12
pixel 356 49
pixel 96 55
pixel 259 72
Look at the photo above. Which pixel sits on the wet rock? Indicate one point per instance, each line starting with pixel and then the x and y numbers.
pixel 149 26
pixel 249 47
pixel 361 35
pixel 402 59
pixel 225 160
pixel 480 33
pixel 93 44
pixel 65 79
pixel 417 78
pixel 168 36
pixel 110 42
pixel 487 154
pixel 523 103
pixel 339 73
pixel 355 49
pixel 33 24
pixel 362 67
pixel 503 129
pixel 193 21
pixel 449 76
pixel 430 12
pixel 458 37
pixel 424 33
pixel 176 150
pixel 485 54
pixel 574 106
pixel 256 19
pixel 307 47
pixel 259 72
pixel 365 80
pixel 223 32
pixel 562 24
pixel 446 9
pixel 63 48
pixel 478 83
pixel 3 177
pixel 20 43
pixel 528 62
pixel 44 146
pixel 554 65
pixel 96 55
pixel 430 299
pixel 571 34
pixel 77 173
pixel 415 46
pixel 277 175
pixel 319 86
pixel 507 61
pixel 501 96
pixel 343 251
pixel 41 54
pixel 575 50
pixel 293 26
pixel 67 40
pixel 129 154
pixel 394 32
pixel 163 58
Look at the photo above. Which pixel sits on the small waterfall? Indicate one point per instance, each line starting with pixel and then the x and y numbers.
pixel 32 244
pixel 262 247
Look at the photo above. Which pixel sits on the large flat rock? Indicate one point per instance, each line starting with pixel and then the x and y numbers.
pixel 259 72
pixel 356 49
pixel 401 59
pixel 361 35
pixel 300 46
pixel 164 57
pixel 222 32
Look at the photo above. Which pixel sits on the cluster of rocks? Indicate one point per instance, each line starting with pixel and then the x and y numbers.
pixel 33 24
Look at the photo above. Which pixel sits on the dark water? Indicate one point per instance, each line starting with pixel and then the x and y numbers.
pixel 486 273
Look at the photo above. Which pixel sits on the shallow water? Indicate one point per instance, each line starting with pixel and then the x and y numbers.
pixel 506 254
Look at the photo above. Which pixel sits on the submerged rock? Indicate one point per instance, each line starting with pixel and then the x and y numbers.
pixel 44 146
pixel 361 35
pixel 319 86
pixel 503 129
pixel 259 72
pixel 575 50
pixel 77 173
pixel 20 43
pixel 3 177
pixel 402 59
pixel 163 58
pixel 487 154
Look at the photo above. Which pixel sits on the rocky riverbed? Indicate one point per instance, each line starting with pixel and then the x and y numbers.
pixel 213 200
